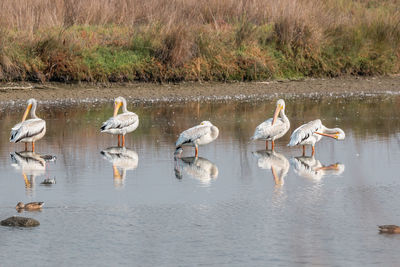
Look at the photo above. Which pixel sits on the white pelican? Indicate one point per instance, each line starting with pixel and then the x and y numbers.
pixel 29 130
pixel 276 162
pixel 121 124
pixel 121 158
pixel 311 168
pixel 312 132
pixel 201 134
pixel 200 168
pixel 273 128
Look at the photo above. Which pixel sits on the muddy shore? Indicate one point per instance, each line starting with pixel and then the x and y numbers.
pixel 149 92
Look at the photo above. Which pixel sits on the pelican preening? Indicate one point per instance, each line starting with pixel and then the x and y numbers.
pixel 121 124
pixel 201 134
pixel 274 127
pixel 29 131
pixel 312 132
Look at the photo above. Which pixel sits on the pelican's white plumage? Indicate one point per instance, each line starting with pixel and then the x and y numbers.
pixel 311 168
pixel 121 124
pixel 29 130
pixel 201 134
pixel 273 128
pixel 311 132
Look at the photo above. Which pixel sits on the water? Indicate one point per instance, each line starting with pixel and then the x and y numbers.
pixel 228 207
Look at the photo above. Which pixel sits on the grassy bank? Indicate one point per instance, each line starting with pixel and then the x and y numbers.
pixel 219 40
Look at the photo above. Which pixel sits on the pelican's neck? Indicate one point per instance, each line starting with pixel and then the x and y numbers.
pixel 283 115
pixel 124 109
pixel 33 110
pixel 330 130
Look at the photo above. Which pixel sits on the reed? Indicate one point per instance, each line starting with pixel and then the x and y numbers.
pixel 176 40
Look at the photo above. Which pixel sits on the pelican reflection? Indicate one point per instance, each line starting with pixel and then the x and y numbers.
pixel 276 162
pixel 122 159
pixel 31 165
pixel 311 168
pixel 199 168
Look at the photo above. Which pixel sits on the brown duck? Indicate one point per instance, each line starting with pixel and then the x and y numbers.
pixel 29 206
pixel 389 229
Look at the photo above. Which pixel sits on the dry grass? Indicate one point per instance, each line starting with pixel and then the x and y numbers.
pixel 196 40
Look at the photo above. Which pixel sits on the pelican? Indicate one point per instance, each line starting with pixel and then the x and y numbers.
pixel 309 167
pixel 201 134
pixel 122 158
pixel 276 162
pixel 273 128
pixel 312 132
pixel 29 130
pixel 121 124
pixel 200 168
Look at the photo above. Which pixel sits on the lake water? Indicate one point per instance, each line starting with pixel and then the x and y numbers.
pixel 236 205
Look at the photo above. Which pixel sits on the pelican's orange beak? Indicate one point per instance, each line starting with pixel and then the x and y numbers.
pixel 117 105
pixel 277 110
pixel 334 136
pixel 28 108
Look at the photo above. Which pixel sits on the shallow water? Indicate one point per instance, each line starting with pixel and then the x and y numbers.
pixel 140 207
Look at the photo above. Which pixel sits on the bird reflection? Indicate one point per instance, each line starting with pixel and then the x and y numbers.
pixel 31 165
pixel 276 162
pixel 122 159
pixel 311 168
pixel 199 168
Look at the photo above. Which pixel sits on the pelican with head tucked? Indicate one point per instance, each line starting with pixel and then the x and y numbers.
pixel 310 133
pixel 273 128
pixel 121 124
pixel 29 131
pixel 201 134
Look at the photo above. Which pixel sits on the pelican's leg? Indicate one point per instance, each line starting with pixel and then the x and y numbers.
pixel 266 144
pixel 26 146
pixel 273 145
pixel 33 146
pixel 313 151
pixel 119 140
pixel 197 151
pixel 123 140
pixel 304 151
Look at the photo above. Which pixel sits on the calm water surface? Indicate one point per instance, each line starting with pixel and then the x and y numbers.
pixel 236 205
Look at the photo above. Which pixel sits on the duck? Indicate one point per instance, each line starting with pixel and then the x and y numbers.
pixel 389 229
pixel 29 206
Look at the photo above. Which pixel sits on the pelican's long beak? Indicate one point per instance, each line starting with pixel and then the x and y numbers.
pixel 277 110
pixel 334 136
pixel 28 108
pixel 116 108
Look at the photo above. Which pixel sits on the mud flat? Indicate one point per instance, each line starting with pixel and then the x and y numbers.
pixel 150 92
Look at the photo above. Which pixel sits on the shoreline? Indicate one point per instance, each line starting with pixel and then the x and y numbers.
pixel 18 93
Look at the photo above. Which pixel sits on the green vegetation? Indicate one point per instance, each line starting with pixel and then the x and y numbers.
pixel 219 40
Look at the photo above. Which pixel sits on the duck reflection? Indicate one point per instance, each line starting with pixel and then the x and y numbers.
pixel 31 165
pixel 122 159
pixel 276 162
pixel 199 168
pixel 311 168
